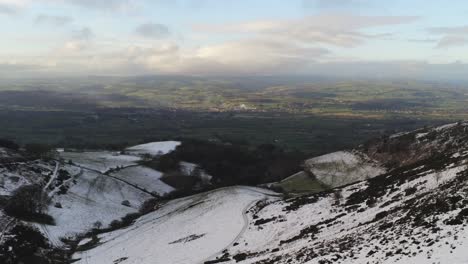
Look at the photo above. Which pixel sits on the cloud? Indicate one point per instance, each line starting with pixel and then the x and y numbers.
pixel 74 46
pixel 53 20
pixel 452 41
pixel 102 4
pixel 450 36
pixel 80 40
pixel 250 57
pixel 153 30
pixel 258 56
pixel 11 7
pixel 423 40
pixel 83 34
pixel 334 4
pixel 7 10
pixel 449 30
pixel 338 30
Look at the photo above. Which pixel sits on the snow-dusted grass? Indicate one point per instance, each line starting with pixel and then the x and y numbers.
pixel 343 167
pixel 100 160
pixel 94 197
pixel 145 178
pixel 188 230
pixel 154 148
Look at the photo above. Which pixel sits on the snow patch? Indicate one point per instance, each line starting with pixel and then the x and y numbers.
pixel 154 148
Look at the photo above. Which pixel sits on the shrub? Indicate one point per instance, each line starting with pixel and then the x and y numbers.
pixel 164 163
pixel 149 206
pixel 38 150
pixel 97 224
pixel 179 180
pixel 9 144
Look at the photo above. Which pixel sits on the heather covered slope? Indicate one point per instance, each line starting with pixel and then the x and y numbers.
pixel 410 147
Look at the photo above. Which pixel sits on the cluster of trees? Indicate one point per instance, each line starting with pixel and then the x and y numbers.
pixel 35 150
pixel 26 245
pixel 235 164
pixel 28 203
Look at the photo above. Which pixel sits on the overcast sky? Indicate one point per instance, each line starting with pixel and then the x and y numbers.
pixel 399 38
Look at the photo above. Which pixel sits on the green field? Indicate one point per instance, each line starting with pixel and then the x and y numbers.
pixel 301 183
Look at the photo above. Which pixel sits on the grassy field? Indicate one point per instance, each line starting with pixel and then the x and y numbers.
pixel 301 183
pixel 328 98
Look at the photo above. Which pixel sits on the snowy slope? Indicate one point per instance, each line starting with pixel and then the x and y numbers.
pixel 96 191
pixel 188 230
pixel 93 198
pixel 416 213
pixel 343 167
pixel 154 148
pixel 410 215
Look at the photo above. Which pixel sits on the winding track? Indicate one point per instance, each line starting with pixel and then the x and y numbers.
pixel 239 235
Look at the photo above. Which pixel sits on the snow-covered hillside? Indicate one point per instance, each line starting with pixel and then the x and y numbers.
pixel 187 230
pixel 91 199
pixel 403 199
pixel 414 213
pixel 86 189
